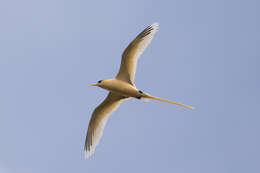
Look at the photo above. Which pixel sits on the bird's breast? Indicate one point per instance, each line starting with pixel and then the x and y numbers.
pixel 122 88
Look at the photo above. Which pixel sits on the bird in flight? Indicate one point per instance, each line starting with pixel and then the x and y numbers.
pixel 120 88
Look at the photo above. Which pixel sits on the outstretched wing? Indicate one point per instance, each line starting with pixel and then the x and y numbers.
pixel 98 121
pixel 133 51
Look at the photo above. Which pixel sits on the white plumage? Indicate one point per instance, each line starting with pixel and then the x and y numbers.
pixel 132 53
pixel 120 88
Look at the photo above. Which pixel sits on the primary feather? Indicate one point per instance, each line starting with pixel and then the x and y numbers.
pixel 98 121
pixel 132 53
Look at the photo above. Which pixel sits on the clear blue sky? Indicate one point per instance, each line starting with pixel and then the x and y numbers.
pixel 205 54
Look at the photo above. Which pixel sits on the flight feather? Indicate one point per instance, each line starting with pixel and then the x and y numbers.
pixel 98 121
pixel 132 53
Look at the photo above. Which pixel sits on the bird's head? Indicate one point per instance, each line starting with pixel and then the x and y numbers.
pixel 99 83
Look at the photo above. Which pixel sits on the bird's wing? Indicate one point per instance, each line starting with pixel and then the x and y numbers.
pixel 133 51
pixel 98 121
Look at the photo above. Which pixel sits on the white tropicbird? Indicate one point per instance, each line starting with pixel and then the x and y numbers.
pixel 120 87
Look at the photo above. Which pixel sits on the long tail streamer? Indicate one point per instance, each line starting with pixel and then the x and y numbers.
pixel 168 101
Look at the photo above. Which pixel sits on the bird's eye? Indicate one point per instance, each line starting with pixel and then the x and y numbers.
pixel 99 81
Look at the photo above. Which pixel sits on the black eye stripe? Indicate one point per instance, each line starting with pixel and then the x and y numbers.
pixel 99 81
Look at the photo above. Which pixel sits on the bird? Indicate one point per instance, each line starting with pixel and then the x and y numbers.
pixel 120 88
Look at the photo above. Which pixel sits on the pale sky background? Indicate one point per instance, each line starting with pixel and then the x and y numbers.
pixel 205 54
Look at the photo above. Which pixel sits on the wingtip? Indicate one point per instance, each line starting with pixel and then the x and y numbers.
pixel 87 154
pixel 155 25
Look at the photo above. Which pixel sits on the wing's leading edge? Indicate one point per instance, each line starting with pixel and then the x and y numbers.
pixel 98 121
pixel 132 53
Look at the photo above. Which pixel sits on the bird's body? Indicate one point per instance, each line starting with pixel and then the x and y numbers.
pixel 120 88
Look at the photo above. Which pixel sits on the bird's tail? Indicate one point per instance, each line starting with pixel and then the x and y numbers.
pixel 164 100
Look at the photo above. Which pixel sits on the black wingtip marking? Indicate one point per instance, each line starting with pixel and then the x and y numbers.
pixel 146 31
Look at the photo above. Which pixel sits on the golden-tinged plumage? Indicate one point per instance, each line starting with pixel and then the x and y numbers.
pixel 120 88
pixel 99 119
pixel 132 53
